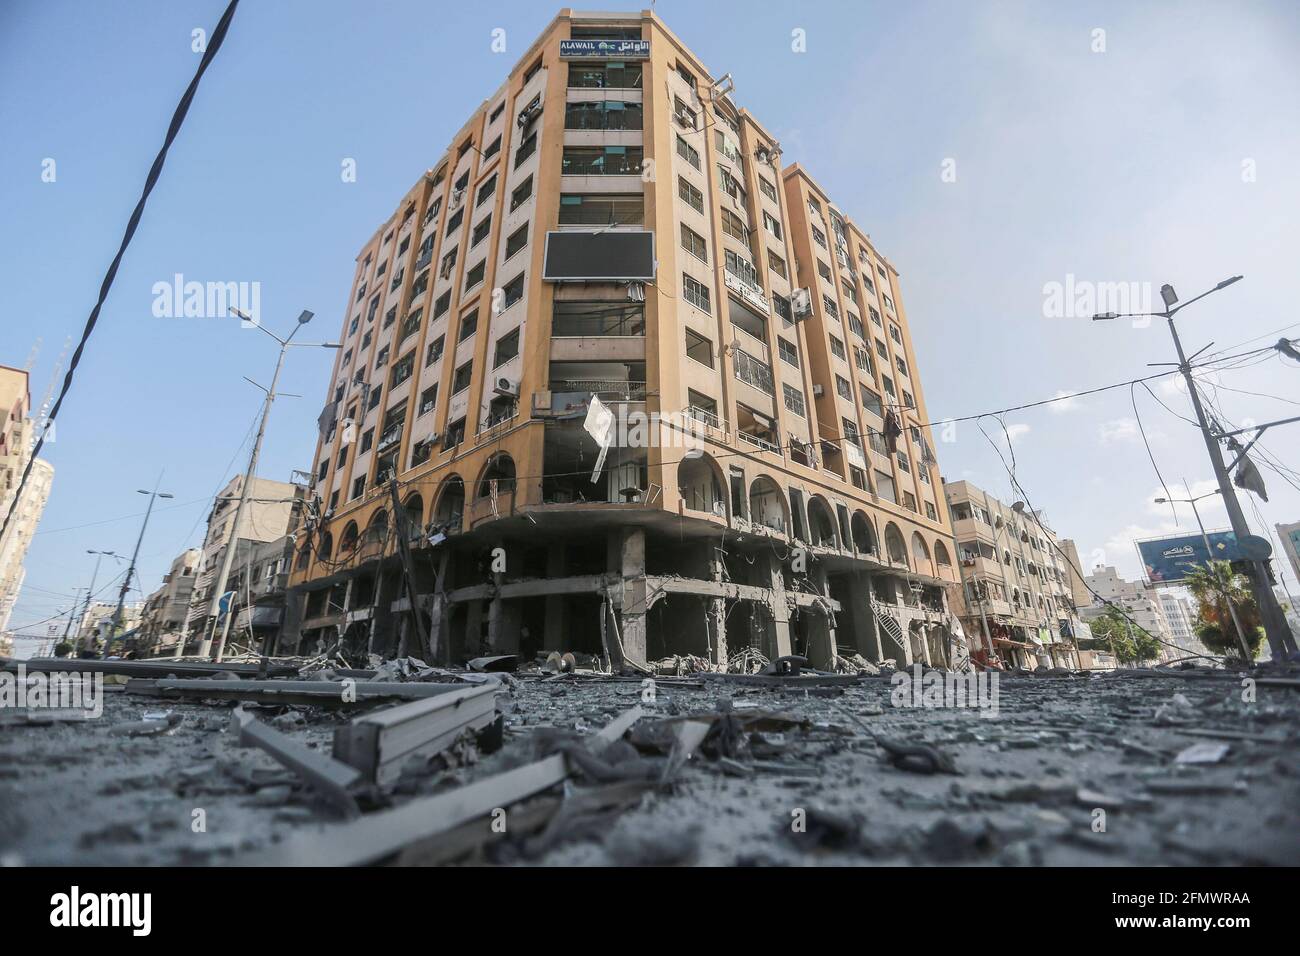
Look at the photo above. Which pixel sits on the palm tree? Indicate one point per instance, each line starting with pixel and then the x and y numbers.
pixel 1213 587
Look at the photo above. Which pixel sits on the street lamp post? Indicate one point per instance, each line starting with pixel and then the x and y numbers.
pixel 1209 557
pixel 126 585
pixel 90 593
pixel 1280 639
pixel 228 558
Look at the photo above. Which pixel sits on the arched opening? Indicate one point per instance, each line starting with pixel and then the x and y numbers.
pixel 821 523
pixel 864 538
pixel 766 504
pixel 700 487
pixel 326 546
pixel 501 469
pixel 943 559
pixel 895 546
pixel 921 555
pixel 348 543
pixel 451 504
pixel 414 508
pixel 376 533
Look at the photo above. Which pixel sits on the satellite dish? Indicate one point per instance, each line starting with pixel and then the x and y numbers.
pixel 1254 548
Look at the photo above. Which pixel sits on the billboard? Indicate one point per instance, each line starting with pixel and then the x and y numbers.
pixel 602 256
pixel 1167 560
pixel 604 49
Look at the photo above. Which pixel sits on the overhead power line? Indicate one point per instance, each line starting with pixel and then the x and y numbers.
pixel 178 120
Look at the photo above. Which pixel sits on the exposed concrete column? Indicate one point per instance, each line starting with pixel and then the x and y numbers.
pixel 716 610
pixel 557 613
pixel 634 596
pixel 822 647
pixel 473 628
pixel 439 614
pixel 866 637
pixel 495 613
pixel 780 633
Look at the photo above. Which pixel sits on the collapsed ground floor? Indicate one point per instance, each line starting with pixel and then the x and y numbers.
pixel 631 594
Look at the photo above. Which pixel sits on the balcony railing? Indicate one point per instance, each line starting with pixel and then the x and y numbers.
pixel 762 443
pixel 603 388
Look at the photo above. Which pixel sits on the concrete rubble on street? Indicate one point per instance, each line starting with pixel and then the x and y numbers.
pixel 555 763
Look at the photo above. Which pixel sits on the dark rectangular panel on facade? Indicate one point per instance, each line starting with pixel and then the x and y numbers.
pixel 602 256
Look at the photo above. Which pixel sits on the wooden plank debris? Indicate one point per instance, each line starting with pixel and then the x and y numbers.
pixel 381 743
pixel 322 693
pixel 378 836
pixel 331 778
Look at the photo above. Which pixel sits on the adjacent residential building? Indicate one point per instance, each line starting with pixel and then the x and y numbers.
pixel 628 385
pixel 263 618
pixel 1141 601
pixel 1180 615
pixel 1289 535
pixel 1015 593
pixel 272 511
pixel 16 443
pixel 96 624
pixel 162 624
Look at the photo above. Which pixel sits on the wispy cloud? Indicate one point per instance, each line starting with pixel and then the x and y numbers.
pixel 1065 404
pixel 1118 430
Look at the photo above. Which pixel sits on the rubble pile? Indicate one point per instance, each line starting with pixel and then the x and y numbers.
pixel 558 762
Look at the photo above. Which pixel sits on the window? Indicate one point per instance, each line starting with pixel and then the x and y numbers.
pixel 486 190
pixel 493 148
pixel 460 381
pixel 605 76
pixel 434 352
pixel 781 306
pixel 410 326
pixel 375 395
pixel 517 240
pixel 507 348
pixel 686 75
pixel 696 293
pixel 455 434
pixel 359 487
pixel 894 334
pixel 454 222
pixel 929 510
pixel 767 189
pixel 693 243
pixel 871 401
pixel 367 441
pixel 777 265
pixel 323 470
pixel 863 359
pixel 602 209
pixel 837 349
pixel 382 358
pixel 694 198
pixel 753 371
pixel 526 149
pixel 904 463
pixel 533 71
pixel 855 326
pixel 468 325
pixel 908 401
pixel 732 186
pixel 793 400
pixel 772 226
pixel 734 226
pixel 885 487
pixel 875 316
pixel 428 399
pixel 842 386
pixel 572 318
pixel 496 113
pixel 902 366
pixel 521 194
pixel 402 370
pixel 514 291
pixel 688 152
pixel 601 161
pixel 602 115
pixel 684 114
pixel 788 351
pixel 475 275
pixel 356 321
pixel 442 305
pixel 743 270
pixel 824 270
pixel 819 237
pixel 849 429
pixel 699 348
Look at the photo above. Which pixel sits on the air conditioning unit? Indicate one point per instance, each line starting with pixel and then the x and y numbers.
pixel 684 121
pixel 818 391
pixel 505 386
pixel 801 303
pixel 456 196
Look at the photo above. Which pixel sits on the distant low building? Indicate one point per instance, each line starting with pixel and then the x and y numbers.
pixel 1140 601
pixel 162 624
pixel 17 439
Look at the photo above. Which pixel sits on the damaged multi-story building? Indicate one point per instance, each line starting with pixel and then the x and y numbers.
pixel 615 380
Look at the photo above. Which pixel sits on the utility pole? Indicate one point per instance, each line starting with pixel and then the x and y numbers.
pixel 90 592
pixel 228 558
pixel 1280 639
pixel 130 570
pixel 72 613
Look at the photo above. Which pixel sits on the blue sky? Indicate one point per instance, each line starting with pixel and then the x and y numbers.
pixel 1117 166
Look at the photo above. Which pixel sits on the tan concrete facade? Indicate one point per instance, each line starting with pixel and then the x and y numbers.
pixel 465 376
pixel 1016 584
pixel 15 452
